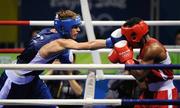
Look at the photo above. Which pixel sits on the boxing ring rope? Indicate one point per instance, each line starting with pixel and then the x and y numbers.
pixel 84 77
pixel 11 50
pixel 90 67
pixel 87 66
pixel 108 50
pixel 87 102
pixel 103 50
pixel 95 23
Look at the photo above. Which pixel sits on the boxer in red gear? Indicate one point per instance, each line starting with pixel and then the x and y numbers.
pixel 159 82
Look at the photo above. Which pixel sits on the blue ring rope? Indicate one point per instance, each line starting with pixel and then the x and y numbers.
pixel 152 66
pixel 149 102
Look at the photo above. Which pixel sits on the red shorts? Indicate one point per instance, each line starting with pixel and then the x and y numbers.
pixel 165 94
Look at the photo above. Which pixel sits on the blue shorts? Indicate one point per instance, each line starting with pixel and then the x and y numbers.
pixel 35 89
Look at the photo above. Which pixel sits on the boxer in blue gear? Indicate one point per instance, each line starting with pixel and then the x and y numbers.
pixel 49 44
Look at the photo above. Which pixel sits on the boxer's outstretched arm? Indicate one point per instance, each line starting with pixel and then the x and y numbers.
pixel 61 44
pixel 71 44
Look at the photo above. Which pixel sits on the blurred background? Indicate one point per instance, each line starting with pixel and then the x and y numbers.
pixel 113 10
pixel 110 10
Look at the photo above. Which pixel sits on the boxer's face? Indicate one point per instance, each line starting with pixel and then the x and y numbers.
pixel 74 32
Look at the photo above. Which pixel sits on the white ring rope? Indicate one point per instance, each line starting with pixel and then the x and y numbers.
pixel 95 23
pixel 60 101
pixel 150 23
pixel 110 23
pixel 175 50
pixel 83 77
pixel 62 66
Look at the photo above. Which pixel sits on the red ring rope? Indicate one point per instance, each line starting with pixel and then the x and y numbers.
pixel 14 22
pixel 11 50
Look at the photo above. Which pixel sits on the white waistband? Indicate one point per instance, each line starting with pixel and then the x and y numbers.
pixel 18 79
pixel 160 86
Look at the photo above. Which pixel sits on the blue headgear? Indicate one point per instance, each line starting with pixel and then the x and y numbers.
pixel 64 26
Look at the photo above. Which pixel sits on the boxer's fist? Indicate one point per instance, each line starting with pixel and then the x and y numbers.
pixel 115 37
pixel 125 54
pixel 113 56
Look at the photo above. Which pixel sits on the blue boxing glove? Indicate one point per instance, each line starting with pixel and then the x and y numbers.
pixel 116 36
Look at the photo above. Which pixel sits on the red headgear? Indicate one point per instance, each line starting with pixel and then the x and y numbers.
pixel 135 33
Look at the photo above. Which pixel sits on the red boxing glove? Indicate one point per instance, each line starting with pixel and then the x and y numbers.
pixel 113 56
pixel 125 54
